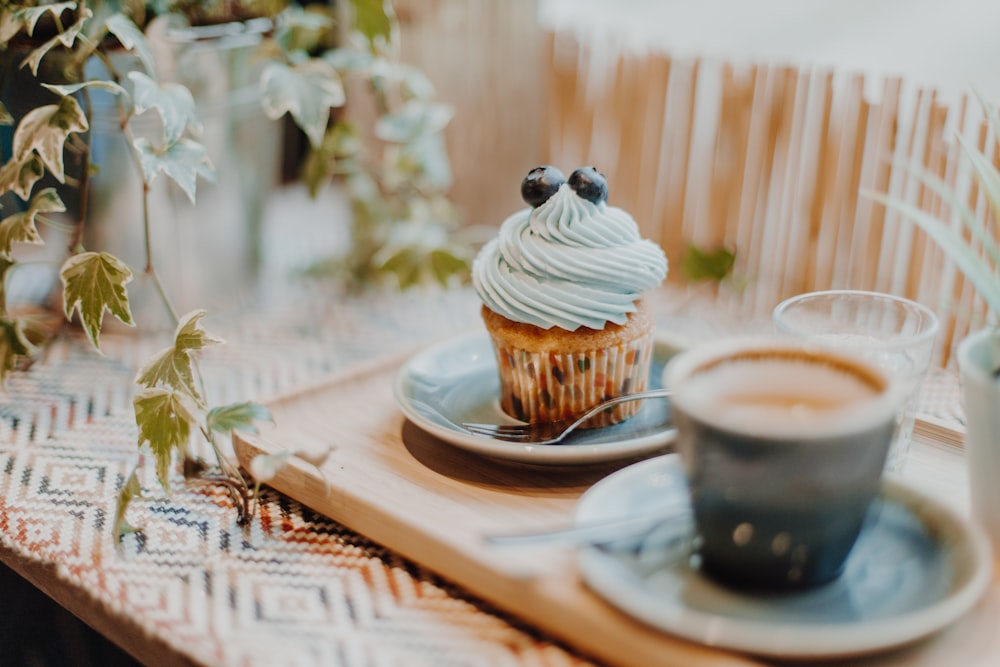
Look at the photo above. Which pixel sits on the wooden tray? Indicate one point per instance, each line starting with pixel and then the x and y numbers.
pixel 432 502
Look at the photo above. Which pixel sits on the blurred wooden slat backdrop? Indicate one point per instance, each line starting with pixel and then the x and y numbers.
pixel 771 161
pixel 767 160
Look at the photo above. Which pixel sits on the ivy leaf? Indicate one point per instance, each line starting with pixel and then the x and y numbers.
pixel 172 101
pixel 699 265
pixel 130 491
pixel 131 37
pixel 307 91
pixel 405 264
pixel 65 38
pixel 92 283
pixel 164 418
pixel 20 227
pixel 264 467
pixel 69 89
pixel 415 84
pixel 182 161
pixel 302 30
pixel 5 265
pixel 12 346
pixel 190 335
pixel 374 19
pixel 29 16
pixel 237 417
pixel 347 59
pixel 445 264
pixel 172 367
pixel 45 129
pixel 413 120
pixel 20 176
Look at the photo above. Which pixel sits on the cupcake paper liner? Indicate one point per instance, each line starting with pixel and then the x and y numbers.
pixel 549 386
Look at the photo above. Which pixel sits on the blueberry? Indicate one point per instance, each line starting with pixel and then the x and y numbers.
pixel 590 184
pixel 540 184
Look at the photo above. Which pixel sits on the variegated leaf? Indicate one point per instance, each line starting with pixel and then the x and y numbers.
pixel 65 38
pixel 69 89
pixel 172 101
pixel 20 176
pixel 29 16
pixel 165 419
pixel 307 91
pixel 131 37
pixel 182 161
pixel 92 283
pixel 190 335
pixel 20 227
pixel 45 130
pixel 170 368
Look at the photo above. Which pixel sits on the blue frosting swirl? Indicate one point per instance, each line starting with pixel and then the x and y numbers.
pixel 568 263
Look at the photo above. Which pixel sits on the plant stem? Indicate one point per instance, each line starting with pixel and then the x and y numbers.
pixel 148 244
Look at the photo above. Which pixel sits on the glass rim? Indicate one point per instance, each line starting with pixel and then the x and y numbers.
pixel 903 340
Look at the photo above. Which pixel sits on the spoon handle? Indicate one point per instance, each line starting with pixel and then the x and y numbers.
pixel 596 533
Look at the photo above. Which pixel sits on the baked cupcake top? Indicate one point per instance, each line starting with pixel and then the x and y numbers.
pixel 570 260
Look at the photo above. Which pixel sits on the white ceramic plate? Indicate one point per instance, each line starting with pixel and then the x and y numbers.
pixel 456 381
pixel 918 568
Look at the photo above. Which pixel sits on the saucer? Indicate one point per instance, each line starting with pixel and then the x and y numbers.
pixel 456 381
pixel 919 567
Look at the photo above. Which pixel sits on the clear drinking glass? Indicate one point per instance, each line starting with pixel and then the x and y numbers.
pixel 896 333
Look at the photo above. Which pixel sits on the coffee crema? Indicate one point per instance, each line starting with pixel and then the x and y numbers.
pixel 783 392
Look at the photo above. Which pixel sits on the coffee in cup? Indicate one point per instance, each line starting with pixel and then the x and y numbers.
pixel 784 445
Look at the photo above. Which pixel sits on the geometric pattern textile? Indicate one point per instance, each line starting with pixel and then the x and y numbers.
pixel 291 588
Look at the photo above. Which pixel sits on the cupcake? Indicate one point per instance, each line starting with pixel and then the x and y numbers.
pixel 562 287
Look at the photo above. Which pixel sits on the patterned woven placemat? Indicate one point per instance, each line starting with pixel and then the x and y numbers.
pixel 293 587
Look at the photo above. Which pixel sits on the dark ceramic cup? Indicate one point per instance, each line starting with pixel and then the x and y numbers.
pixel 784 445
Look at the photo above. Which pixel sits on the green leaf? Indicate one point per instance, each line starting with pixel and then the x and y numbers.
pixel 969 219
pixel 12 346
pixel 165 419
pixel 415 84
pixel 172 101
pixel 347 59
pixel 374 19
pixel 237 417
pixel 182 161
pixel 65 38
pixel 20 227
pixel 264 467
pixel 190 336
pixel 45 130
pixel 29 16
pixel 92 283
pixel 405 264
pixel 445 264
pixel 307 91
pixel 415 119
pixel 302 30
pixel 69 89
pixel 20 176
pixel 989 180
pixel 170 368
pixel 954 246
pixel 5 266
pixel 715 265
pixel 130 491
pixel 131 37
